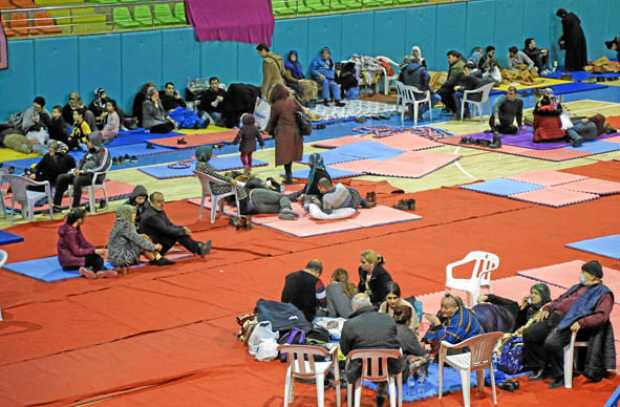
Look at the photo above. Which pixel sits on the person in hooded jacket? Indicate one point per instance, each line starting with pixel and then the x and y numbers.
pixel 373 276
pixel 273 70
pixel 306 90
pixel 139 199
pixel 247 137
pixel 573 41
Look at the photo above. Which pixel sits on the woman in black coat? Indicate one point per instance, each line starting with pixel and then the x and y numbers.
pixel 573 41
pixel 373 277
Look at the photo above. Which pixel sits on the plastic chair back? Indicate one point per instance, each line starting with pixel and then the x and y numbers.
pixel 481 348
pixel 205 182
pixel 375 362
pixel 18 185
pixel 4 256
pixel 303 358
pixel 484 264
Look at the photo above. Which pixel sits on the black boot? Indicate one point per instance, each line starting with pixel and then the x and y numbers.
pixel 497 141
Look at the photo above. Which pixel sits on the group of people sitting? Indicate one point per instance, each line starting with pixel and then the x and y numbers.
pixel 377 316
pixel 141 228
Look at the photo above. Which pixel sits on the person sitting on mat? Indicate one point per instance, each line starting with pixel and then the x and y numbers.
pixel 81 131
pixel 170 97
pixel 111 120
pixel 323 72
pixel 75 252
pixel 394 299
pixel 488 66
pixel 340 291
pixel 373 277
pixel 540 56
pixel 97 105
pixel 154 116
pixel 506 110
pixel 453 323
pixel 305 290
pixel 519 60
pixel 369 329
pixel 96 159
pixel 583 309
pixel 139 199
pixel 138 101
pixel 338 196
pixel 75 103
pixel 125 244
pixel 547 123
pixel 212 100
pixel 247 137
pixel 158 227
pixel 317 171
pixel 177 109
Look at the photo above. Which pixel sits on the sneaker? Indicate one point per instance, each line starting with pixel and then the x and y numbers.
pixel 340 104
pixel 107 274
pixel 557 383
pixel 181 140
pixel 162 261
pixel 204 248
pixel 577 142
pixel 288 214
pixel 56 209
pixel 410 204
pixel 326 102
pixel 88 273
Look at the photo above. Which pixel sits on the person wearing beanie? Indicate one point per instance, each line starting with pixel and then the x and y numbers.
pixel 583 309
pixel 247 137
pixel 96 159
pixel 323 71
pixel 97 106
pixel 573 41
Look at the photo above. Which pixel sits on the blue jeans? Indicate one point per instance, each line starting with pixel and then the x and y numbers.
pixel 329 86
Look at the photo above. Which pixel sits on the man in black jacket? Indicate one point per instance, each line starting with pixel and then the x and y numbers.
pixel 212 101
pixel 368 329
pixel 156 225
pixel 170 97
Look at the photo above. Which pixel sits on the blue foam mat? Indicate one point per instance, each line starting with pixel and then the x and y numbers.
pixel 8 238
pixel 574 87
pixel 333 157
pixel 334 173
pixel 607 246
pixel 598 147
pixel 502 187
pixel 580 76
pixel 137 136
pixel 46 269
pixel 219 163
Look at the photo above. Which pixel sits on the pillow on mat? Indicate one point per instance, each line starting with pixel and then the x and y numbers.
pixel 316 213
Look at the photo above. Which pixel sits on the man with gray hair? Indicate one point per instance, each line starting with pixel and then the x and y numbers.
pixel 367 329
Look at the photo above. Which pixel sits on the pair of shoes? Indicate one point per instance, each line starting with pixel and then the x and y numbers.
pixel 371 196
pixel 496 142
pixel 557 383
pixel 204 248
pixel 326 102
pixel 509 385
pixel 162 261
pixel 181 141
pixel 405 205
pixel 339 103
pixel 577 142
pixel 466 140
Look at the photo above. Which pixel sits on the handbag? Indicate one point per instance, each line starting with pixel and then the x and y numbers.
pixel 304 124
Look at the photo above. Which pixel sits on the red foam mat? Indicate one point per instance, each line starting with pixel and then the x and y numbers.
pixel 196 140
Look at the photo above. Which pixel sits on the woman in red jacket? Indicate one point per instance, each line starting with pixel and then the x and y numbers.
pixel 75 252
pixel 547 123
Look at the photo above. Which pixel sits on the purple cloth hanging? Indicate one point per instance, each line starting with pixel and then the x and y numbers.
pixel 249 21
pixel 4 55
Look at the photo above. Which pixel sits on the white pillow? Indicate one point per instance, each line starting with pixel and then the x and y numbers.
pixel 316 213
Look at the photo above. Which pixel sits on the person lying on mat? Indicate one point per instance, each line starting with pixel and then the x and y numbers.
pixel 305 290
pixel 125 244
pixel 588 128
pixel 540 56
pixel 317 171
pixel 338 196
pixel 585 309
pixel 506 110
pixel 394 299
pixel 75 252
pixel 154 116
pixel 453 323
pixel 96 159
pixel 255 200
pixel 368 329
pixel 373 277
pixel 139 200
pixel 340 291
pixel 158 227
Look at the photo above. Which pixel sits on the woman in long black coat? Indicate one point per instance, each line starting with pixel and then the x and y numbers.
pixel 573 41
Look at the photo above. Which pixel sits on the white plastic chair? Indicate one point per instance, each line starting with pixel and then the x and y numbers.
pixel 2 206
pixel 484 264
pixel 97 183
pixel 569 359
pixel 479 357
pixel 216 200
pixel 303 364
pixel 407 96
pixel 387 79
pixel 484 99
pixel 4 256
pixel 27 199
pixel 375 369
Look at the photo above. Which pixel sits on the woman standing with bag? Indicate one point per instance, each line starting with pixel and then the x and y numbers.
pixel 283 126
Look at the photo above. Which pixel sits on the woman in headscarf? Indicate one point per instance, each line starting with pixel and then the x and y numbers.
pixel 125 244
pixel 306 90
pixel 416 56
pixel 284 128
pixel 573 41
pixel 98 104
pixel 374 278
pixel 317 171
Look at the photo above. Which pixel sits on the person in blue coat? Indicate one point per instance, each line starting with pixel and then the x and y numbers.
pixel 323 72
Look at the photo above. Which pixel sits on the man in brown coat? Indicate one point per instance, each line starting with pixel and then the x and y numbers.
pixel 273 70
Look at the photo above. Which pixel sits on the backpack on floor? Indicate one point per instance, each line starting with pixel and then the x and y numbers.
pixel 511 358
pixel 283 316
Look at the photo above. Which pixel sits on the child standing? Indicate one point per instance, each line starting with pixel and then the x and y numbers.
pixel 246 138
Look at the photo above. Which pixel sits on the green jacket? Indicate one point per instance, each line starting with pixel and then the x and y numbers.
pixel 455 72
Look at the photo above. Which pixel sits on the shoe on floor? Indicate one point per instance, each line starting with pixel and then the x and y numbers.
pixel 205 248
pixel 401 205
pixel 88 273
pixel 162 261
pixel 56 209
pixel 340 104
pixel 410 204
pixel 326 102
pixel 557 383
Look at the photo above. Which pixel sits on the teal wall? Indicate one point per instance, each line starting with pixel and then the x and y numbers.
pixel 122 62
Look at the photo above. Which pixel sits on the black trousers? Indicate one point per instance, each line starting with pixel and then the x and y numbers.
pixel 505 126
pixel 167 242
pixel 78 181
pixel 163 128
pixel 447 97
pixel 544 345
pixel 92 261
pixel 288 170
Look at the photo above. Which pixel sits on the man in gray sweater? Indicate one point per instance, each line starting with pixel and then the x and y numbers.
pixel 519 59
pixel 506 110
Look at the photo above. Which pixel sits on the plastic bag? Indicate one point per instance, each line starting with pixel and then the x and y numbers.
pixel 262 111
pixel 261 333
pixel 267 350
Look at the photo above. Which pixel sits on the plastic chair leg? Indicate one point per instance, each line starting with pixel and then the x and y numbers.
pixel 493 390
pixel 392 391
pixel 480 379
pixel 416 109
pixel 466 385
pixel 440 380
pixel 320 390
pixel 569 354
pixel 91 200
pixel 358 393
pixel 287 389
pixel 349 395
pixel 214 202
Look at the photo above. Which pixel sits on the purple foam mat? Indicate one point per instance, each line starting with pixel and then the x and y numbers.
pixel 524 139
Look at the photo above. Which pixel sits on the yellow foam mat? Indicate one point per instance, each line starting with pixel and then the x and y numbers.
pixel 7 154
pixel 538 83
pixel 208 130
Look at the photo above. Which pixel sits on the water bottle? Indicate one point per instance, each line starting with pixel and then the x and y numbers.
pixel 555 66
